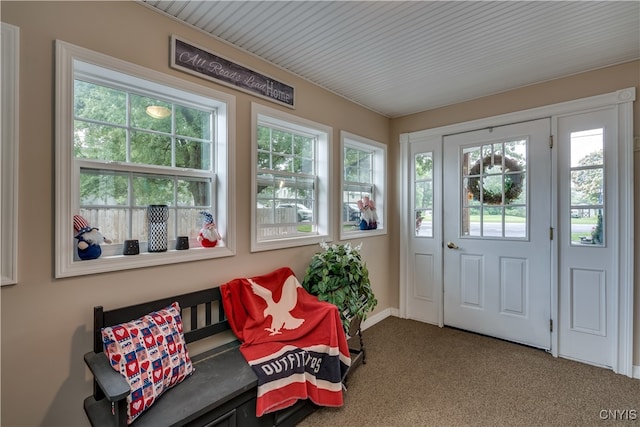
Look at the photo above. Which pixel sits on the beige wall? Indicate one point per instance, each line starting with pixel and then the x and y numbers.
pixel 46 323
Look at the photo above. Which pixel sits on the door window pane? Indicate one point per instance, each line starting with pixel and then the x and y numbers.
pixel 494 188
pixel 423 194
pixel 587 204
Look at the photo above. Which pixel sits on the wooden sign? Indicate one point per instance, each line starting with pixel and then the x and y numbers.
pixel 202 63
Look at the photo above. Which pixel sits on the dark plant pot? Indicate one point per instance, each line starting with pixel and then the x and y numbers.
pixel 182 243
pixel 131 247
pixel 354 325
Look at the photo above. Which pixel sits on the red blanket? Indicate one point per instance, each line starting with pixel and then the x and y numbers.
pixel 294 342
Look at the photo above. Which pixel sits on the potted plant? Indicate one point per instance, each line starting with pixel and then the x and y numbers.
pixel 338 275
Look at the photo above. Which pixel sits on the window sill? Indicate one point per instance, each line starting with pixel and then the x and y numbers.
pixel 71 267
pixel 291 242
pixel 359 234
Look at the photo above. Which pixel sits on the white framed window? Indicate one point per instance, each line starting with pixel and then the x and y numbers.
pixel 363 175
pixel 127 138
pixel 291 180
pixel 10 60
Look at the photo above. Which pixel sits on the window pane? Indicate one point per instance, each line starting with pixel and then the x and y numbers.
pixel 194 192
pixel 149 113
pixel 266 189
pixel 99 103
pixel 471 222
pixel 281 163
pixel 351 173
pixel 99 142
pixel 492 221
pixel 99 188
pixel 305 166
pixel 187 222
pixel 350 210
pixel 587 147
pixel 424 223
pixel 264 161
pixel 350 161
pixel 516 183
pixel 588 229
pixel 293 197
pixel 281 142
pixel 424 195
pixel 150 149
pixel 365 167
pixel 151 190
pixel 515 224
pixel 193 123
pixel 365 174
pixel 491 190
pixel 193 154
pixel 264 138
pixel 358 165
pixel 423 166
pixel 470 156
pixel 304 190
pixel 113 223
pixel 587 187
pixel 469 200
pixel 303 146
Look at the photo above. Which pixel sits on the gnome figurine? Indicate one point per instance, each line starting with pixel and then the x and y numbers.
pixel 208 235
pixel 368 215
pixel 89 239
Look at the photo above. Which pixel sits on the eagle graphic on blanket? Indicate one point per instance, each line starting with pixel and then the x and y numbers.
pixel 294 343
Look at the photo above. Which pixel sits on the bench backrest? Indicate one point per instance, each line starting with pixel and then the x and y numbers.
pixel 202 315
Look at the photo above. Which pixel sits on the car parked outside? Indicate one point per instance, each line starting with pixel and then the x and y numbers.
pixel 350 212
pixel 304 213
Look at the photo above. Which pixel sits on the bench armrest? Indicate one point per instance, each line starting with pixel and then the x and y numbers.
pixel 114 386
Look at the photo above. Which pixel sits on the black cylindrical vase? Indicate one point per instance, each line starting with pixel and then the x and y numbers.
pixel 157 216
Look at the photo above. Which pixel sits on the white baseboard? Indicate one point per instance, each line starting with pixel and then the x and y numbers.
pixel 372 320
pixel 636 371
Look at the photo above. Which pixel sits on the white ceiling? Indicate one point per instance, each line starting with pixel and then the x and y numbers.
pixel 402 57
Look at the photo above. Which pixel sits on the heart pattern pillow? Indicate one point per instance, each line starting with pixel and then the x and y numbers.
pixel 151 353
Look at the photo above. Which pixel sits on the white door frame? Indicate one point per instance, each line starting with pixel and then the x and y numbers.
pixel 623 100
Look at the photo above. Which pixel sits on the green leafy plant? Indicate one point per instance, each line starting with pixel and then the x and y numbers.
pixel 338 275
pixel 596 233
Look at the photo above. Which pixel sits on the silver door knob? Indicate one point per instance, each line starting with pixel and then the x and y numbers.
pixel 452 245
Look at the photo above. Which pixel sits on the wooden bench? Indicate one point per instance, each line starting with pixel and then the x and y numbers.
pixel 221 391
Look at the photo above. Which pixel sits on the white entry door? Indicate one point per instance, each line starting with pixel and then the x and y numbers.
pixel 497 243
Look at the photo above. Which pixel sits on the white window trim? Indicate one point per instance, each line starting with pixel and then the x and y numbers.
pixel 10 57
pixel 261 113
pixel 379 182
pixel 65 264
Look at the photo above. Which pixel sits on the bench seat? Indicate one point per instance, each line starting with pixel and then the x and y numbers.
pixel 221 391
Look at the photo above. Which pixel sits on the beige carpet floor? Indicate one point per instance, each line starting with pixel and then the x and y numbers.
pixel 421 375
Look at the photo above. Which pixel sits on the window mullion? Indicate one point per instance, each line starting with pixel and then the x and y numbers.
pixel 128 129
